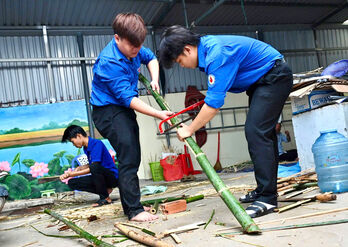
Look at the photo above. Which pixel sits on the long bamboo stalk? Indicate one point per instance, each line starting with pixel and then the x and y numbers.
pixel 89 237
pixel 232 203
pixel 296 226
pixel 171 199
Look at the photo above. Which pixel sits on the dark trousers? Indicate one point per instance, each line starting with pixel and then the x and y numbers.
pixel 290 155
pixel 118 124
pixel 97 183
pixel 266 100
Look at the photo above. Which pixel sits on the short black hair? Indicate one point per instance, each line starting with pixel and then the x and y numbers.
pixel 172 44
pixel 72 131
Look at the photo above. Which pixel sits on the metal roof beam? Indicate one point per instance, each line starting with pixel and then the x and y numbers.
pixel 333 12
pixel 208 12
pixel 268 4
pixel 165 12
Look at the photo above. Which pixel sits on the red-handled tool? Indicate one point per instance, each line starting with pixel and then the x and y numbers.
pixel 191 107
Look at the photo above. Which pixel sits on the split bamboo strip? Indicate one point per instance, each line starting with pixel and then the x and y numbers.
pixel 325 223
pixel 78 230
pixel 282 209
pixel 147 240
pixel 232 203
pixel 291 218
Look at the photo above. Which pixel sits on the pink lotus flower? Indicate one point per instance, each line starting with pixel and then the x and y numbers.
pixel 67 179
pixel 39 169
pixel 5 166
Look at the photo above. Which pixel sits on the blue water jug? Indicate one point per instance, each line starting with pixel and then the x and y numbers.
pixel 330 153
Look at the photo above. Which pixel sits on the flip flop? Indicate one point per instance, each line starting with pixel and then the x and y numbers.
pixel 250 197
pixel 257 209
pixel 102 202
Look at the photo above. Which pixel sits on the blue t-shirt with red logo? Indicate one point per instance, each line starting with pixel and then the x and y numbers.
pixel 115 78
pixel 233 63
pixel 97 152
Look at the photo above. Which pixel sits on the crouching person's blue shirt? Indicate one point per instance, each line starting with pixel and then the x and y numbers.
pixel 115 78
pixel 97 152
pixel 233 64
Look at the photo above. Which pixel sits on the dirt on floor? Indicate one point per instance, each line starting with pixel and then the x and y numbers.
pixel 32 227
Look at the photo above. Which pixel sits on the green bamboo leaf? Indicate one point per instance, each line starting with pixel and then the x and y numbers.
pixel 16 159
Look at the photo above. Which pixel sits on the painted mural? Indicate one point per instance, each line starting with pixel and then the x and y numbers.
pixel 30 146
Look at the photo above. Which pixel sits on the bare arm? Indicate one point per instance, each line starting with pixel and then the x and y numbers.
pixel 140 106
pixel 153 68
pixel 75 173
pixel 203 117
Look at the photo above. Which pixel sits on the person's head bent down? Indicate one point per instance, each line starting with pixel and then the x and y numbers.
pixel 76 135
pixel 129 32
pixel 179 45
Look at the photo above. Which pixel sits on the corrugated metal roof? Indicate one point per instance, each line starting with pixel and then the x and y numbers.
pixel 101 12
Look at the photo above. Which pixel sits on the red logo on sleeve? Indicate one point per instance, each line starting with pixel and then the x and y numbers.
pixel 211 80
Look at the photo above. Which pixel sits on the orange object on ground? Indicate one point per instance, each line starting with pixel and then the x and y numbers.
pixel 174 207
pixel 172 170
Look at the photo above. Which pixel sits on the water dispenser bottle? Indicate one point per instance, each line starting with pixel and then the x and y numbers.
pixel 330 153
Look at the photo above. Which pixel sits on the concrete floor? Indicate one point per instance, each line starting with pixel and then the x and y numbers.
pixel 330 235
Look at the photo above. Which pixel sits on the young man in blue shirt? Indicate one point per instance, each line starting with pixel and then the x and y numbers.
pixel 115 97
pixel 237 64
pixel 104 174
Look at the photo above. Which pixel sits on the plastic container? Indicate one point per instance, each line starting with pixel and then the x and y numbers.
pixel 172 169
pixel 330 153
pixel 156 171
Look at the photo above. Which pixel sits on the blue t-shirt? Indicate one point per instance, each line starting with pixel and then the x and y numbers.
pixel 233 63
pixel 97 152
pixel 281 138
pixel 115 78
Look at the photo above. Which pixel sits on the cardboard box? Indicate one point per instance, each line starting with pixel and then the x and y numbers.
pixel 316 94
pixel 314 100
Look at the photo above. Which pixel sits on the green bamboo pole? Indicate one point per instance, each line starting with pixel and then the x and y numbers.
pixel 78 230
pixel 232 203
pixel 170 199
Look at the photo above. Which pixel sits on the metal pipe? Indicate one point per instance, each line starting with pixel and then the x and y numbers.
pixel 85 84
pixel 58 59
pixel 208 12
pixel 316 44
pixel 154 46
pixel 52 88
pixel 185 13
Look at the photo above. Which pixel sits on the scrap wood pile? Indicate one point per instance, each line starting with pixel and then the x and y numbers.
pixel 298 181
pixel 168 205
pixel 332 78
pixel 299 184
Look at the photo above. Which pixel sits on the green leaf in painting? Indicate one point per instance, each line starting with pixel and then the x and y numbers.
pixel 59 154
pixel 19 187
pixel 69 157
pixel 16 159
pixel 28 162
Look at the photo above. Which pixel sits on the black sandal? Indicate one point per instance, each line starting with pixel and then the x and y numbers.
pixel 250 197
pixel 257 209
pixel 102 202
